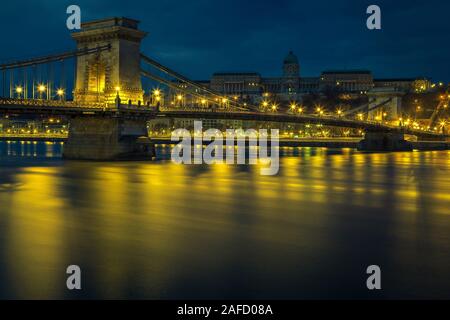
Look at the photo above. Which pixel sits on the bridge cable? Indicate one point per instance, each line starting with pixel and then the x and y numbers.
pixel 178 76
pixel 52 58
pixel 174 86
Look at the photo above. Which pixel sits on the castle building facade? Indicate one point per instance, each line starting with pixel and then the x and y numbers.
pixel 253 88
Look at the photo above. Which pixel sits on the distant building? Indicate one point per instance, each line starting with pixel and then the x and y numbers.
pixel 253 88
pixel 242 84
pixel 405 84
pixel 347 81
pixel 399 84
pixel 309 85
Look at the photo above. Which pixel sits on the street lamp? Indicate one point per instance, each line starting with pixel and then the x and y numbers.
pixel 60 93
pixel 319 110
pixel 179 99
pixel 19 91
pixel 41 89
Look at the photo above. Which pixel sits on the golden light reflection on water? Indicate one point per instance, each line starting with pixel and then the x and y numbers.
pixel 33 233
pixel 155 230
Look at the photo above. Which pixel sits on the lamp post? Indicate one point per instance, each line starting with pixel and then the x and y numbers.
pixel 60 93
pixel 293 107
pixel 19 91
pixel 41 90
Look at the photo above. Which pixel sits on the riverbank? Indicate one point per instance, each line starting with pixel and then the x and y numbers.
pixel 337 143
pixel 33 138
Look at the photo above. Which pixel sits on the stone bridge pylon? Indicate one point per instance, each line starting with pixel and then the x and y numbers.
pixel 102 76
pixel 385 103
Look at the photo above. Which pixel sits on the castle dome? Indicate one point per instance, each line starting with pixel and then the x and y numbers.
pixel 291 58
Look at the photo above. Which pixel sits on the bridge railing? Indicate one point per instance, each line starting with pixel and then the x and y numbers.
pixel 48 103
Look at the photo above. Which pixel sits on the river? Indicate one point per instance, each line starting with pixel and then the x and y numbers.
pixel 157 230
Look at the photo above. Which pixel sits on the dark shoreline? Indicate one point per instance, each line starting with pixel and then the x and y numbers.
pixel 350 143
pixel 312 143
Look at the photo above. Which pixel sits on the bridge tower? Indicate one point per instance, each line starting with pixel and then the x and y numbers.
pixel 385 101
pixel 101 77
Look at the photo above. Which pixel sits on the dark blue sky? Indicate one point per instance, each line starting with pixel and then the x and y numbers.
pixel 199 37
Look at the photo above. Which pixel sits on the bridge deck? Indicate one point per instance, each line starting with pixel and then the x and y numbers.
pixel 70 108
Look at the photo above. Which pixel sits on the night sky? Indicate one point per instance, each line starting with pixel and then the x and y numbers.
pixel 200 37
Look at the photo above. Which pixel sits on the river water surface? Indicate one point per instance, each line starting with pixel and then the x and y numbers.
pixel 156 230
